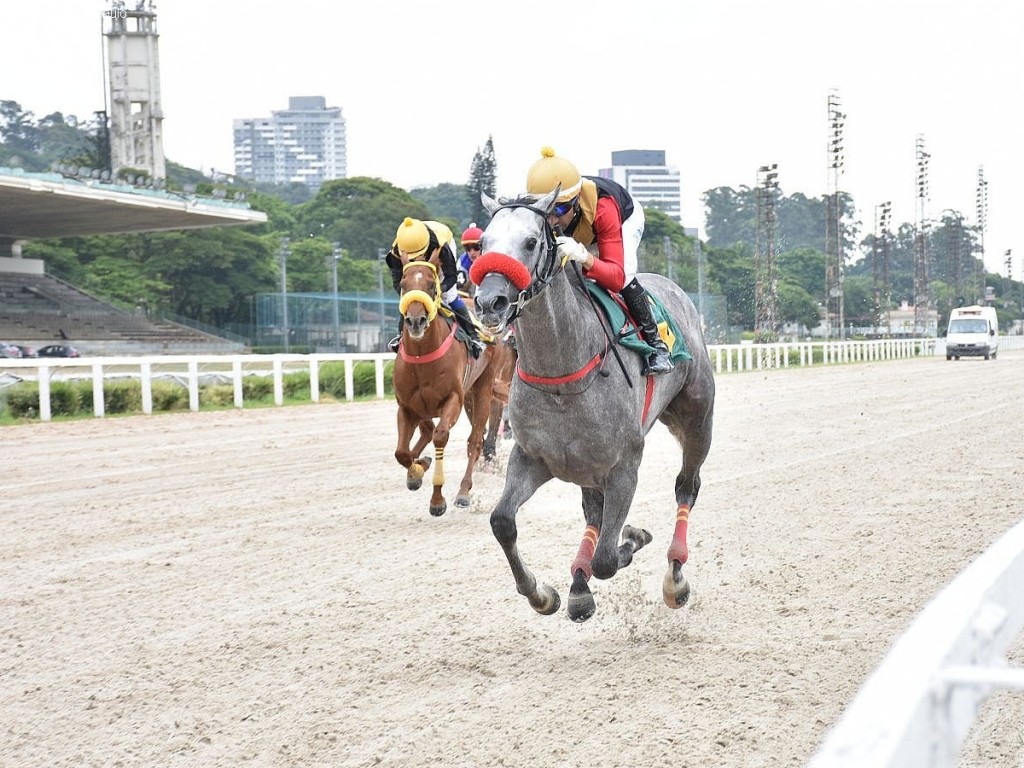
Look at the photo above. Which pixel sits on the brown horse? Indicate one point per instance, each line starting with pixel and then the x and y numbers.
pixel 497 422
pixel 435 377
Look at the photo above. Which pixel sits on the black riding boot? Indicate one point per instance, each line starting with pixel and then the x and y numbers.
pixel 393 344
pixel 635 296
pixel 476 345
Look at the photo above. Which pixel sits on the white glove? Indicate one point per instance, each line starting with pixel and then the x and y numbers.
pixel 571 249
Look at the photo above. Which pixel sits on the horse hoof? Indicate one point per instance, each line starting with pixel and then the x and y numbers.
pixel 581 607
pixel 675 589
pixel 413 483
pixel 548 601
pixel 462 501
pixel 439 510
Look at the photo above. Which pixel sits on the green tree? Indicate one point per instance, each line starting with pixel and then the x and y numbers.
pixel 805 268
pixel 17 127
pixel 360 213
pixel 483 175
pixel 797 306
pixel 731 273
pixel 212 274
pixel 677 260
pixel 446 200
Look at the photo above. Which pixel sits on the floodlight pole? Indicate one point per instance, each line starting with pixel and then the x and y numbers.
pixel 282 258
pixel 334 289
pixel 922 302
pixel 981 210
pixel 834 260
pixel 380 290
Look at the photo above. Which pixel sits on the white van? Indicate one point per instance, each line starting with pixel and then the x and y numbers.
pixel 972 332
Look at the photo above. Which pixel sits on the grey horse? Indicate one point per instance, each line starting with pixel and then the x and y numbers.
pixel 580 408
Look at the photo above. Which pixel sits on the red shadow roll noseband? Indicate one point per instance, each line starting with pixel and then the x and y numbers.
pixel 503 264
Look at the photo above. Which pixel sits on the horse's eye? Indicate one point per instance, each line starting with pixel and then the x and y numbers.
pixel 531 243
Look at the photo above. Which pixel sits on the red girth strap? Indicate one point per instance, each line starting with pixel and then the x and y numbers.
pixel 430 356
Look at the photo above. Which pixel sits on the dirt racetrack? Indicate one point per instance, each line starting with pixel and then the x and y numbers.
pixel 258 587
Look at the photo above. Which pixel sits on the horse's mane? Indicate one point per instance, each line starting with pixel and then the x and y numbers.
pixel 522 199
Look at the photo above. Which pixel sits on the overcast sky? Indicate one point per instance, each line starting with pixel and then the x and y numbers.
pixel 723 86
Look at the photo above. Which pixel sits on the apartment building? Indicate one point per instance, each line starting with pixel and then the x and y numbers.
pixel 304 143
pixel 643 172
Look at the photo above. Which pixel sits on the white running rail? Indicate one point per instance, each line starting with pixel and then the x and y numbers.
pixel 918 705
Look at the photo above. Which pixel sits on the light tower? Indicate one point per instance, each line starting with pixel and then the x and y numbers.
pixel 880 263
pixel 133 88
pixel 981 206
pixel 834 309
pixel 766 286
pixel 921 302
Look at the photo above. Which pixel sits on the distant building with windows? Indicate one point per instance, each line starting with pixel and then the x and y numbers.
pixel 304 143
pixel 643 172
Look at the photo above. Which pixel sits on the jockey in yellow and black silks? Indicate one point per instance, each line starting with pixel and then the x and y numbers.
pixel 416 239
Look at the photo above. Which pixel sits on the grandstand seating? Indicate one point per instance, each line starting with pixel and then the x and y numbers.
pixel 39 309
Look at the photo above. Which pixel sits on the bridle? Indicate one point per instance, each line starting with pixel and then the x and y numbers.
pixel 432 303
pixel 546 268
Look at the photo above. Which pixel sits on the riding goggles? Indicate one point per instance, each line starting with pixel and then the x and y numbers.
pixel 561 209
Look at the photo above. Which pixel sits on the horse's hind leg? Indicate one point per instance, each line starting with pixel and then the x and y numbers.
pixel 696 442
pixel 581 604
pixel 523 477
pixel 477 406
pixel 493 427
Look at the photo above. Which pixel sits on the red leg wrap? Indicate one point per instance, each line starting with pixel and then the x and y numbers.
pixel 585 553
pixel 677 549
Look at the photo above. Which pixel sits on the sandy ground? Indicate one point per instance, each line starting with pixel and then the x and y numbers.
pixel 258 587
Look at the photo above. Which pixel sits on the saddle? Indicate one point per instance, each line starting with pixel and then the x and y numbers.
pixel 626 331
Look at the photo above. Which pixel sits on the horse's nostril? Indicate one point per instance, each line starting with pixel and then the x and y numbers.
pixel 500 304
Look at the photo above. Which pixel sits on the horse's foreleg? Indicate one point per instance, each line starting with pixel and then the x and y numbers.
pixel 426 435
pixel 415 464
pixel 523 477
pixel 442 431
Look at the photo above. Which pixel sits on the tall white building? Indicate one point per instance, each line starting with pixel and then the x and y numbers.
pixel 304 143
pixel 644 174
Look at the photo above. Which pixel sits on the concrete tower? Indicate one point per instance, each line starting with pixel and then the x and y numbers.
pixel 133 88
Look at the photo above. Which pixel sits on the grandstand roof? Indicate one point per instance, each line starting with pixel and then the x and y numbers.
pixel 41 205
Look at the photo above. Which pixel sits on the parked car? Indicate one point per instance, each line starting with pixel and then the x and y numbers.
pixel 58 350
pixel 27 351
pixel 9 350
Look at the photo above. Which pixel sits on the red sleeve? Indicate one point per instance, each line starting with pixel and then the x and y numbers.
pixel 608 270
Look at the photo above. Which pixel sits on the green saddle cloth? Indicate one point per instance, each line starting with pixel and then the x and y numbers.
pixel 626 332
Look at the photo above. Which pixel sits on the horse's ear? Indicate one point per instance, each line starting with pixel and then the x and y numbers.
pixel 490 204
pixel 547 203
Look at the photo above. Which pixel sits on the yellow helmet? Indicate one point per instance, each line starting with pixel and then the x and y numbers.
pixel 550 171
pixel 412 237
